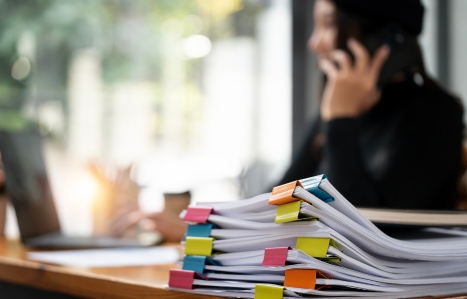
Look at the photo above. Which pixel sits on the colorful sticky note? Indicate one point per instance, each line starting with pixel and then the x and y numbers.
pixel 197 263
pixel 199 230
pixel 198 246
pixel 181 279
pixel 284 193
pixel 197 214
pixel 194 263
pixel 288 212
pixel 275 256
pixel 312 185
pixel 291 212
pixel 268 292
pixel 300 278
pixel 315 247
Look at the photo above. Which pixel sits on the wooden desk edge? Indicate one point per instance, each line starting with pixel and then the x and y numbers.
pixel 91 285
pixel 81 284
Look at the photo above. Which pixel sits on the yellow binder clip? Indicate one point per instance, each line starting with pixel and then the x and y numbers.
pixel 198 246
pixel 268 292
pixel 315 247
pixel 291 212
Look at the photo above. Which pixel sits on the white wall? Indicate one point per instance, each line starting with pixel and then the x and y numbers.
pixel 428 39
pixel 458 49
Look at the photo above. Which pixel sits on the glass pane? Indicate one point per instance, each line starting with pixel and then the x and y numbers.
pixel 193 95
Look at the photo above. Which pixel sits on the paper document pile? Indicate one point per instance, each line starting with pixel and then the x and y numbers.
pixel 306 240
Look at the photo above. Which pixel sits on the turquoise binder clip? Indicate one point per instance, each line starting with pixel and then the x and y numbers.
pixel 312 185
pixel 197 263
pixel 199 230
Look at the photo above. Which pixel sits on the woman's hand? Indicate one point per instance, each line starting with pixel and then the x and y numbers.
pixel 169 225
pixel 351 88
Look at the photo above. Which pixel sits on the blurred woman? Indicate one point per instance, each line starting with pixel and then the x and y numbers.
pixel 398 146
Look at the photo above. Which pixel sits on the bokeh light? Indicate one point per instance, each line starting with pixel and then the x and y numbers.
pixel 196 46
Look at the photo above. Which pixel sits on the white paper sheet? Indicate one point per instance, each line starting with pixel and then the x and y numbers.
pixel 115 257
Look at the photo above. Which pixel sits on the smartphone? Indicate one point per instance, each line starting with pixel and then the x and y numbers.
pixel 404 56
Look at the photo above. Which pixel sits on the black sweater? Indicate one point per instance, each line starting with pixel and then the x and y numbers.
pixel 404 153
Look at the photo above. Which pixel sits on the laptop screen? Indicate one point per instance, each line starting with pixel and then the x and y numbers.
pixel 27 183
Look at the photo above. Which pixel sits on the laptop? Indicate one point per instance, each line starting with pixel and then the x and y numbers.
pixel 29 191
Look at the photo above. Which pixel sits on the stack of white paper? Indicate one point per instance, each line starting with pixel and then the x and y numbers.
pixel 306 240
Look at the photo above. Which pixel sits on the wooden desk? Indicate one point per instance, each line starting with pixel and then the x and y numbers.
pixel 120 283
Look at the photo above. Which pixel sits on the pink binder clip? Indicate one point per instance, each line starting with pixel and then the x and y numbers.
pixel 276 256
pixel 183 279
pixel 198 214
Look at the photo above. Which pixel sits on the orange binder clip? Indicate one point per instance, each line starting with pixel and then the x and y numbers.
pixel 302 278
pixel 284 193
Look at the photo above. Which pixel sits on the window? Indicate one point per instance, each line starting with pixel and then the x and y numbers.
pixel 195 94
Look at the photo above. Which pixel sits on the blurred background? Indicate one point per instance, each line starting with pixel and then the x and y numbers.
pixel 209 96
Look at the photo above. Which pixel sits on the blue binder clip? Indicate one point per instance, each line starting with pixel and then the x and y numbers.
pixel 197 263
pixel 312 185
pixel 199 230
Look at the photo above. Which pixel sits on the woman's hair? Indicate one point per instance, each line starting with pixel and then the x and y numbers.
pixel 361 27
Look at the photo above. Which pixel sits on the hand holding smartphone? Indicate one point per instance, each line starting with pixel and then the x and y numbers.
pixel 351 87
pixel 404 55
